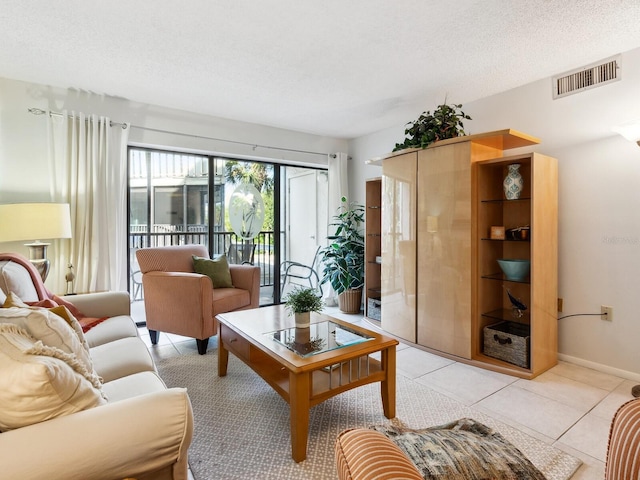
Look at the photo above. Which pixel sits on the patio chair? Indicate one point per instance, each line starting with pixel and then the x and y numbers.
pixel 136 288
pixel 300 274
pixel 241 253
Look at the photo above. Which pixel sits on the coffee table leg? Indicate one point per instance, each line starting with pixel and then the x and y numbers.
pixel 388 385
pixel 299 412
pixel 223 356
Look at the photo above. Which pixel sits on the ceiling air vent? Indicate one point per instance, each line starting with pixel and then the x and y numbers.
pixel 591 76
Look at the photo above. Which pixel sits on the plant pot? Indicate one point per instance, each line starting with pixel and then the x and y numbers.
pixel 350 300
pixel 302 335
pixel 303 320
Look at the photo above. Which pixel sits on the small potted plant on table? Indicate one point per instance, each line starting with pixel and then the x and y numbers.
pixel 301 302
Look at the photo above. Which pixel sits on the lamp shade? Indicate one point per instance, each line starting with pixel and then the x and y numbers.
pixel 629 130
pixel 34 221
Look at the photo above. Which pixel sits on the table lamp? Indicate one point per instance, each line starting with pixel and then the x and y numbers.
pixel 629 130
pixel 35 221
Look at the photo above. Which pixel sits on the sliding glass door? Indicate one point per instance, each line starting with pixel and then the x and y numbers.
pixel 255 213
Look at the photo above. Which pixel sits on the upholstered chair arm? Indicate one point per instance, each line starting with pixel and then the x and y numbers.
pixel 363 454
pixel 174 299
pixel 148 433
pixel 102 304
pixel 623 451
pixel 247 277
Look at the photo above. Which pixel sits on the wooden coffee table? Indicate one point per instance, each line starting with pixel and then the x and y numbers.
pixel 286 358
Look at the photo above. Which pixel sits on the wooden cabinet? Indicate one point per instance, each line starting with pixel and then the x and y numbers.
pixel 372 248
pixel 536 210
pixel 432 293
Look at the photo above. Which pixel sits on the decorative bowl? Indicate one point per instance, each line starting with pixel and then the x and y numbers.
pixel 514 269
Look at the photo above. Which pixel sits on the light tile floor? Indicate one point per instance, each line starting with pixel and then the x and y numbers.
pixel 569 406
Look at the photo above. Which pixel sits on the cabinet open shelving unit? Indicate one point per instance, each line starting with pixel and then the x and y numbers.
pixel 537 209
pixel 372 248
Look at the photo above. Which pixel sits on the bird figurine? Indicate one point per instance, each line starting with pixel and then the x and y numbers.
pixel 518 307
pixel 70 277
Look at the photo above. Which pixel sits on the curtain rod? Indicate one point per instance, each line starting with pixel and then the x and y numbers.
pixel 39 111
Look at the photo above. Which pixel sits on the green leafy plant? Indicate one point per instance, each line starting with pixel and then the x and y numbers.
pixel 302 299
pixel 343 258
pixel 445 122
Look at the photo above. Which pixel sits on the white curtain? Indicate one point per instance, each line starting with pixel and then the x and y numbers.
pixel 88 161
pixel 338 188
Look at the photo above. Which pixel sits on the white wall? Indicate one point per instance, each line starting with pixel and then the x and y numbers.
pixel 24 170
pixel 599 204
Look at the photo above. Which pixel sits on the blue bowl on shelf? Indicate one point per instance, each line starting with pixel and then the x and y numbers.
pixel 514 269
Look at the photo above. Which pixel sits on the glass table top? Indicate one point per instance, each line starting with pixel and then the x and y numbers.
pixel 318 338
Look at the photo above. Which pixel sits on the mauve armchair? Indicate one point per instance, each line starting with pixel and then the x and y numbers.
pixel 178 300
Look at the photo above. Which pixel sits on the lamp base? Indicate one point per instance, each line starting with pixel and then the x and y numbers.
pixel 38 257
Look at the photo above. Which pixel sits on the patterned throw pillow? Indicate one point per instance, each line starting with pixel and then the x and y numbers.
pixel 54 327
pixel 39 382
pixel 217 269
pixel 464 449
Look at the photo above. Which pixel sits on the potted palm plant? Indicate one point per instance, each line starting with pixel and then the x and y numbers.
pixel 301 302
pixel 343 258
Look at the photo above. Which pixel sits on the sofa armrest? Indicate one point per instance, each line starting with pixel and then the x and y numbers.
pixel 247 277
pixel 363 454
pixel 102 304
pixel 117 440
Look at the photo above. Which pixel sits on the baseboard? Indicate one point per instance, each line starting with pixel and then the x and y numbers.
pixel 600 367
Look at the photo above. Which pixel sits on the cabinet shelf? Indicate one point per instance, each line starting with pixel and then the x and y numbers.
pixel 504 314
pixel 501 277
pixel 484 239
pixel 504 200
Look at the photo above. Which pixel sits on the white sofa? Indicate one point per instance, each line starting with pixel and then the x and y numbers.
pixel 139 428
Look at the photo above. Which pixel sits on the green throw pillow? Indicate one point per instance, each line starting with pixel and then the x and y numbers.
pixel 216 269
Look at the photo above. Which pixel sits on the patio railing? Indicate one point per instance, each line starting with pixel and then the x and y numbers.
pixel 165 235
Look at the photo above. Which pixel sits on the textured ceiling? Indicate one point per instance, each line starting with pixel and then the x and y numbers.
pixel 340 68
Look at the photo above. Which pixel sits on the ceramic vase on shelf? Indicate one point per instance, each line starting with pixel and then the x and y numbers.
pixel 513 182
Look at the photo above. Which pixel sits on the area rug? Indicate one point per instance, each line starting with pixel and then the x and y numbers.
pixel 242 426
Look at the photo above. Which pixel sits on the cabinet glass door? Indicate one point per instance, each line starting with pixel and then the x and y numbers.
pixel 399 246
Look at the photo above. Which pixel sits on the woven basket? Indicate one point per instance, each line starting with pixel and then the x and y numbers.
pixel 350 301
pixel 508 341
pixel 373 309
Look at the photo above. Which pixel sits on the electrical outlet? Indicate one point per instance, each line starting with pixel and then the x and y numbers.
pixel 606 313
pixel 560 304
